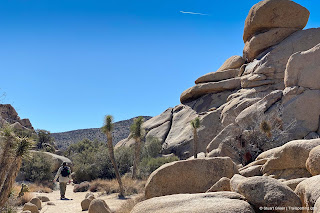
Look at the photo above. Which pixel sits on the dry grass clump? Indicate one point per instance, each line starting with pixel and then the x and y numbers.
pixel 111 186
pixel 33 187
pixel 107 186
pixel 129 204
pixel 132 186
pixel 28 194
pixel 39 188
pixel 16 189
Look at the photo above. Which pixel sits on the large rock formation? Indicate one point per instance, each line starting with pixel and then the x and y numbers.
pixel 254 102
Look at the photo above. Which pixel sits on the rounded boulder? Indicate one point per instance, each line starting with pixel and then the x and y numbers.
pixel 85 204
pixel 43 198
pixel 312 163
pixel 99 206
pixel 30 207
pixel 213 202
pixel 269 14
pixel 268 192
pixel 188 176
pixel 36 201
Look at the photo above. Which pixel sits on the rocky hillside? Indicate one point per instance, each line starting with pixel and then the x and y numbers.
pixel 121 131
pixel 9 116
pixel 254 102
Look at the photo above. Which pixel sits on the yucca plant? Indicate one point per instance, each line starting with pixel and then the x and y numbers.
pixel 20 149
pixel 8 143
pixel 107 129
pixel 195 125
pixel 137 133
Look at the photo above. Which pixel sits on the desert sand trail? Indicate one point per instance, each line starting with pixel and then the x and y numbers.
pixel 74 205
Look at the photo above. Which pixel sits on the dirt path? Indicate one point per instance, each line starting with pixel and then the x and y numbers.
pixel 74 205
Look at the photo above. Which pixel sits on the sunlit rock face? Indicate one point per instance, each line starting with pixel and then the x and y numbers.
pixel 257 101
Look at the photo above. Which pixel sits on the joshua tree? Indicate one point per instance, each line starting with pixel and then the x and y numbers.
pixel 107 129
pixel 18 148
pixel 136 133
pixel 195 125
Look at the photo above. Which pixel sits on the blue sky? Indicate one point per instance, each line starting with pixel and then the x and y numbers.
pixel 66 63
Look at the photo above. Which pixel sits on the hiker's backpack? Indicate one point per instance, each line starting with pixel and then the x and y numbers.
pixel 65 171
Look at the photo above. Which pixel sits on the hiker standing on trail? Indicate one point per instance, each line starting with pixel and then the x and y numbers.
pixel 63 174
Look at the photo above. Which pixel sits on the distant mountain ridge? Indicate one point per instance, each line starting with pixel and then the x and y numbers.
pixel 121 131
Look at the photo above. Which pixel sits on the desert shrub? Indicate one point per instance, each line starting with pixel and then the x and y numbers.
pixel 45 141
pixel 124 159
pixel 105 186
pixel 38 168
pixel 148 165
pixel 266 132
pixel 133 186
pixel 25 133
pixel 151 159
pixel 91 161
pixel 130 185
pixel 98 186
pixel 91 165
pixel 152 148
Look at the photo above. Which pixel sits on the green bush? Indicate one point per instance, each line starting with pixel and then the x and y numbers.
pixel 38 168
pixel 152 148
pixel 124 158
pixel 91 161
pixel 148 165
pixel 22 133
pixel 44 137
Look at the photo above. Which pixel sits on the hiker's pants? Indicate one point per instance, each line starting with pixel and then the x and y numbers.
pixel 63 187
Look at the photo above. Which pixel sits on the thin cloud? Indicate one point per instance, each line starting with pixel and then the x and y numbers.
pixel 193 13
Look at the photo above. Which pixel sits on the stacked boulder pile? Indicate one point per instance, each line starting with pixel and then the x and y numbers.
pixel 275 82
pixel 285 178
pixel 259 125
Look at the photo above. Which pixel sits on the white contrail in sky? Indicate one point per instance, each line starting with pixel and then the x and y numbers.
pixel 193 13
